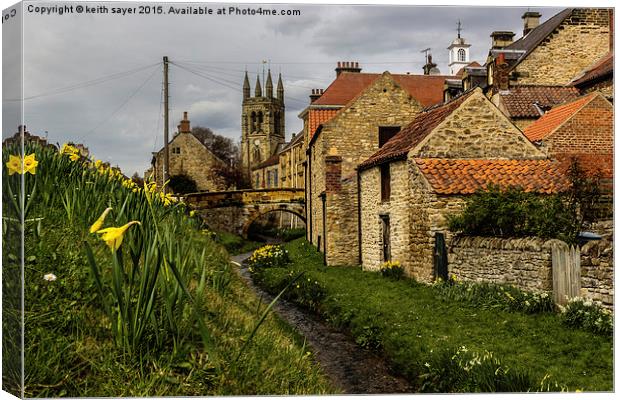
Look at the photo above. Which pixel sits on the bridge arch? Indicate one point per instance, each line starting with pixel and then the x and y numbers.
pixel 252 217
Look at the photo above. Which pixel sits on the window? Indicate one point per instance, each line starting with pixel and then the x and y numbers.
pixel 257 180
pixel 268 179
pixel 176 150
pixel 385 182
pixel 275 179
pixel 461 55
pixel 386 133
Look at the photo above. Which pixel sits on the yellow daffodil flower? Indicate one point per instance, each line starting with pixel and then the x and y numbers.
pixel 97 163
pixel 30 164
pixel 113 237
pixel 192 213
pixel 68 149
pixel 74 157
pixel 99 222
pixel 14 165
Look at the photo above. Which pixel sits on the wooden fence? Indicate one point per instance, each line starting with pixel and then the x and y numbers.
pixel 566 269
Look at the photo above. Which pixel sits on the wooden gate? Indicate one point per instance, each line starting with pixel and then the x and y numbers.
pixel 566 269
pixel 440 257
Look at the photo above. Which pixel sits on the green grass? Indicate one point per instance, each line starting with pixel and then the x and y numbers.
pixel 412 324
pixel 189 346
pixel 235 244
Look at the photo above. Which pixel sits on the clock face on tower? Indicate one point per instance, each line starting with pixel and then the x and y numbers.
pixel 256 142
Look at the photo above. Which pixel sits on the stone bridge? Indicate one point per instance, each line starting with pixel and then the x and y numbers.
pixel 234 211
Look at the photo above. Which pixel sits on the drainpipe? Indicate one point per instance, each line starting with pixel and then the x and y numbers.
pixel 359 217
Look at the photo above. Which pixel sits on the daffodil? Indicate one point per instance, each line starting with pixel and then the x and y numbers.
pixel 74 157
pixel 30 164
pixel 14 165
pixel 99 222
pixel 113 237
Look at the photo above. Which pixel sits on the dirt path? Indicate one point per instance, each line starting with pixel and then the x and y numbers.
pixel 351 369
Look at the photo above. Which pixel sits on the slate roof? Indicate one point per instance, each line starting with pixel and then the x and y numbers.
pixel 519 101
pixel 530 41
pixel 427 89
pixel 555 117
pixel 466 176
pixel 601 69
pixel 411 135
pixel 473 64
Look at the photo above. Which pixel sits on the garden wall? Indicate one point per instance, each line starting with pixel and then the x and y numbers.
pixel 526 263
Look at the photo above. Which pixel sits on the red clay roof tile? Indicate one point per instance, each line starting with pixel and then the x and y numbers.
pixel 319 116
pixel 555 117
pixel 427 89
pixel 458 176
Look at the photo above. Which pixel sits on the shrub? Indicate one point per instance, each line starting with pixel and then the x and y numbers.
pixel 306 292
pixel 515 213
pixel 585 314
pixel 392 269
pixel 269 256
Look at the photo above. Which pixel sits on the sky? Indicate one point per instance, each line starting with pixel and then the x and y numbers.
pixel 96 79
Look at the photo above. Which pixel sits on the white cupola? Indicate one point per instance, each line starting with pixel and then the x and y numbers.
pixel 459 53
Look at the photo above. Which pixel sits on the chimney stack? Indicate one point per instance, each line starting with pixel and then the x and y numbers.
pixel 348 66
pixel 184 125
pixel 501 39
pixel 316 93
pixel 531 20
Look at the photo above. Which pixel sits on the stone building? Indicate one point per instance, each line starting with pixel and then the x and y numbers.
pixel 188 155
pixel 262 122
pixel 291 159
pixel 527 77
pixel 582 130
pixel 266 174
pixel 424 172
pixel 356 115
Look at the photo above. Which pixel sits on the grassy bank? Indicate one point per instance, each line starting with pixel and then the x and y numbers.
pixel 145 308
pixel 445 345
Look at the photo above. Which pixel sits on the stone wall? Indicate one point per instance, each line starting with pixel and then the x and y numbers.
pixel 579 41
pixel 527 264
pixel 192 159
pixel 477 130
pixel 524 263
pixel 316 177
pixel 398 211
pixel 597 272
pixel 342 225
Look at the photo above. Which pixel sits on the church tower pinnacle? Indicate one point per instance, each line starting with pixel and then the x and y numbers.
pixel 280 88
pixel 246 86
pixel 269 85
pixel 258 92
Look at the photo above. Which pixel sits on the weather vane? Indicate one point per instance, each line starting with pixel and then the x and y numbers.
pixel 458 28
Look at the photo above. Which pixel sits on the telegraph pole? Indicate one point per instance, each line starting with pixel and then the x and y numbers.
pixel 166 155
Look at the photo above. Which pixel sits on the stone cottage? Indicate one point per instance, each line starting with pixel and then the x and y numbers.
pixel 599 77
pixel 188 155
pixel 424 172
pixel 377 106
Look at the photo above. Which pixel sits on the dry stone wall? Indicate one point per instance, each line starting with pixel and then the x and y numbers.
pixel 527 264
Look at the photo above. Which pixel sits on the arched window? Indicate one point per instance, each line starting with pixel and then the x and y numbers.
pixel 252 121
pixel 461 55
pixel 260 121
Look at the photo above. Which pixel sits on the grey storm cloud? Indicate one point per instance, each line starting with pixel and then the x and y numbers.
pixel 98 78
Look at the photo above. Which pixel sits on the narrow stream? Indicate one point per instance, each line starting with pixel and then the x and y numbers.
pixel 351 368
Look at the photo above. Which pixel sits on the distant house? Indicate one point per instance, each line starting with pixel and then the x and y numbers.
pixel 426 170
pixel 188 155
pixel 582 130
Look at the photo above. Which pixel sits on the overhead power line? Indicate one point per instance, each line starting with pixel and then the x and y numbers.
pixel 88 83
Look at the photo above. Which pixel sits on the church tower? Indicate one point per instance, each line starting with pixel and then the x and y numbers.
pixel 459 53
pixel 262 121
